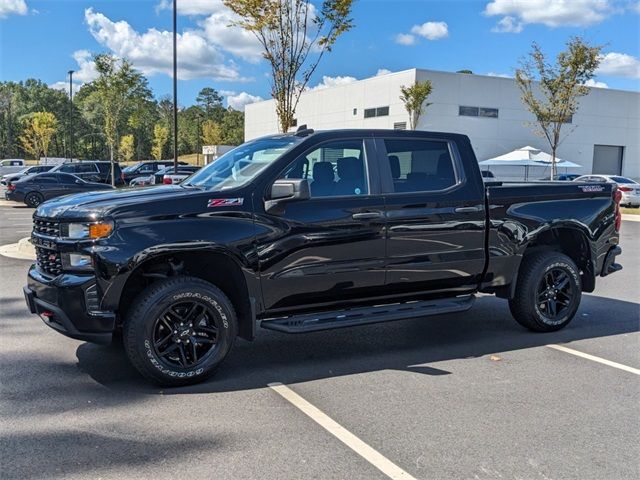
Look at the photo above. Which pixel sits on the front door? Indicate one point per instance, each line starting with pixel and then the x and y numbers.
pixel 435 217
pixel 330 248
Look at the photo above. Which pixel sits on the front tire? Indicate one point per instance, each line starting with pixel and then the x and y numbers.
pixel 548 292
pixel 33 199
pixel 179 330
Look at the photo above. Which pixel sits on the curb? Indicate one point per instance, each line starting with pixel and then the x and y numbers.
pixel 23 250
pixel 630 218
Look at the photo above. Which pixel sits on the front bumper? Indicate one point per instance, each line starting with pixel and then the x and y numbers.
pixel 62 302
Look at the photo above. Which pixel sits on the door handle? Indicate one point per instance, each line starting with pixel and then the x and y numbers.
pixel 366 215
pixel 467 209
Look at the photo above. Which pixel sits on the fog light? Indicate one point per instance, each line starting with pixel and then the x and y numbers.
pixel 76 261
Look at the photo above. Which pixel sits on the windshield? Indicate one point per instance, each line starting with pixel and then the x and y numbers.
pixel 130 168
pixel 622 180
pixel 242 164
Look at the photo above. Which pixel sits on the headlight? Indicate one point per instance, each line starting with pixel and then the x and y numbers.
pixel 78 231
pixel 76 261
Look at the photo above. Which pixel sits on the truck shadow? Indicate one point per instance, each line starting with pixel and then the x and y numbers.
pixel 403 345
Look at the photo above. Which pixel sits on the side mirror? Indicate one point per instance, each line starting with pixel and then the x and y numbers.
pixel 285 190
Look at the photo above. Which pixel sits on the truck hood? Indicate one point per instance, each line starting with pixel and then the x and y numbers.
pixel 98 204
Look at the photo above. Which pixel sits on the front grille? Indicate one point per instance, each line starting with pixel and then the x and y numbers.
pixel 46 227
pixel 48 261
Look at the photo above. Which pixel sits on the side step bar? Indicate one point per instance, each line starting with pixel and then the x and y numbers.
pixel 312 322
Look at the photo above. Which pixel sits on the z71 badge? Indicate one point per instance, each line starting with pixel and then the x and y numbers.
pixel 225 202
pixel 591 188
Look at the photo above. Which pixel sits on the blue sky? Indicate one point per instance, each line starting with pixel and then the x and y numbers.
pixel 44 39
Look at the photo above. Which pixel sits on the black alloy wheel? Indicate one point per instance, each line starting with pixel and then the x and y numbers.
pixel 33 199
pixel 185 334
pixel 555 295
pixel 548 291
pixel 178 330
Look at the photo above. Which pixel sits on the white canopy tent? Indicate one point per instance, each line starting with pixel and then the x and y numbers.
pixel 527 157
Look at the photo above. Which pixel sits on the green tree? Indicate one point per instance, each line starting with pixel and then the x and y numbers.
pixel 233 127
pixel 116 86
pixel 127 147
pixel 210 102
pixel 39 128
pixel 160 137
pixel 414 98
pixel 211 133
pixel 294 36
pixel 551 92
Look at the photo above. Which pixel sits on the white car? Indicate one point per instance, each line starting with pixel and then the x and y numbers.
pixel 630 188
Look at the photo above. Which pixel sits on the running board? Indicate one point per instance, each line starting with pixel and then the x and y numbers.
pixel 312 322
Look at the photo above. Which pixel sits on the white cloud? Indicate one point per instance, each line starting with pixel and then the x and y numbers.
pixel 431 30
pixel 405 39
pixel 508 24
pixel 556 13
pixel 594 83
pixel 328 82
pixel 382 71
pixel 86 71
pixel 151 52
pixel 234 40
pixel 619 65
pixel 238 101
pixel 64 87
pixel 13 7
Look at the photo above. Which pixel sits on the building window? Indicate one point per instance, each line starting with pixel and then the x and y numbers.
pixel 400 126
pixel 489 112
pixel 376 112
pixel 355 111
pixel 486 112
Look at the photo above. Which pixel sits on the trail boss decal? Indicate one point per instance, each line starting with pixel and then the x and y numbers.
pixel 591 188
pixel 225 202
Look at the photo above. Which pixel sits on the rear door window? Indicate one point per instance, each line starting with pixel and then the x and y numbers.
pixel 420 165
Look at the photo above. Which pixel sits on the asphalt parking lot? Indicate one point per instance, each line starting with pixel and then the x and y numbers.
pixel 465 396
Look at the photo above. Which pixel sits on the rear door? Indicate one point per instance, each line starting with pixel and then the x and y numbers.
pixel 435 216
pixel 330 248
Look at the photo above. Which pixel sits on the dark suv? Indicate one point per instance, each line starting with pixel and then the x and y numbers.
pixel 91 171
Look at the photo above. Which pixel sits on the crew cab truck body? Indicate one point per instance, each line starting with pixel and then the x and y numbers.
pixel 312 231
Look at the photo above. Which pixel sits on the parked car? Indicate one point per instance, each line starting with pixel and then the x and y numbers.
pixel 13 177
pixel 563 177
pixel 630 188
pixel 11 165
pixel 167 176
pixel 310 231
pixel 91 171
pixel 141 181
pixel 145 169
pixel 35 189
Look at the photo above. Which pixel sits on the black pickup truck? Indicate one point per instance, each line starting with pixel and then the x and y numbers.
pixel 310 231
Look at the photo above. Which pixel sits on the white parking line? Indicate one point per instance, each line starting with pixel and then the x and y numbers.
pixel 593 358
pixel 371 455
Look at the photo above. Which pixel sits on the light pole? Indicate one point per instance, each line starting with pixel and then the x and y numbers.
pixel 175 87
pixel 71 115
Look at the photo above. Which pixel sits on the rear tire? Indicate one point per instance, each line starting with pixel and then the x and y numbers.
pixel 33 199
pixel 548 292
pixel 179 330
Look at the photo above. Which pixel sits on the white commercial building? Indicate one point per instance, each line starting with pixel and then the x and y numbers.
pixel 602 137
